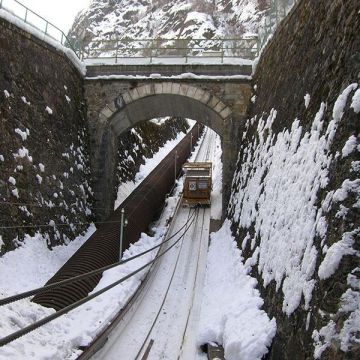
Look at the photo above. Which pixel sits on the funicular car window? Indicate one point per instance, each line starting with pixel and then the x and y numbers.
pixel 192 185
pixel 202 185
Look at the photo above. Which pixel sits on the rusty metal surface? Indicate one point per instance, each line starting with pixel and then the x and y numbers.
pixel 141 208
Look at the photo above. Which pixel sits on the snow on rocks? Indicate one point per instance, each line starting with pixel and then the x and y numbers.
pixel 41 167
pixel 48 110
pixel 23 98
pixel 335 253
pixel 23 134
pixel 126 188
pixel 231 312
pixel 23 153
pixel 350 146
pixel 278 185
pixel 355 103
pixel 12 180
pixel 307 100
pixel 2 158
pixel 6 93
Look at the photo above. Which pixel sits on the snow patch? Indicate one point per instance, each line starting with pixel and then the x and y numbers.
pixel 336 252
pixel 355 103
pixel 6 93
pixel 307 100
pixel 23 134
pixel 48 110
pixel 12 180
pixel 23 98
pixel 41 167
pixel 350 145
pixel 23 153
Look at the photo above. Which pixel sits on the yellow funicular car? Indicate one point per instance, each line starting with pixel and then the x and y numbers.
pixel 197 184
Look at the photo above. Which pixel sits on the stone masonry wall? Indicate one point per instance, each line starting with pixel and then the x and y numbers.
pixel 44 163
pixel 296 191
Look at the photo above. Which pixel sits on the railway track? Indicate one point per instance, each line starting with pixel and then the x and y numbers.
pixel 171 295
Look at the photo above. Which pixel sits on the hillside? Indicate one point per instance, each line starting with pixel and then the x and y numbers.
pixel 144 19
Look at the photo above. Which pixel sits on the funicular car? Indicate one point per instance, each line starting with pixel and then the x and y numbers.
pixel 197 184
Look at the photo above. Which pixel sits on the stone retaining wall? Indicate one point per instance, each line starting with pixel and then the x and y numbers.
pixel 312 59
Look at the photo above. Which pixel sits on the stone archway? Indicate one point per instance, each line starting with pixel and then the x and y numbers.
pixel 148 101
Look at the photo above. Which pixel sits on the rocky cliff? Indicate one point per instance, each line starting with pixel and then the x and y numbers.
pixel 173 19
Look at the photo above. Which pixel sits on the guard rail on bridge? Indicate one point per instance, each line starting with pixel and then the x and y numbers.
pixel 168 50
pixel 36 21
pixel 140 51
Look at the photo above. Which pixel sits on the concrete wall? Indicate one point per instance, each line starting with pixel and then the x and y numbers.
pixel 44 163
pixel 293 169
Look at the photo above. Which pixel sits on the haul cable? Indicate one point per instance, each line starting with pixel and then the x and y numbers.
pixel 7 339
pixel 28 293
pixel 162 303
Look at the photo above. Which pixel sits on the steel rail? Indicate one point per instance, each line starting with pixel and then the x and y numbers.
pixel 163 300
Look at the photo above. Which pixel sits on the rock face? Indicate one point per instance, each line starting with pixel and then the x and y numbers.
pixel 44 164
pixel 145 19
pixel 295 195
pixel 142 142
pixel 45 174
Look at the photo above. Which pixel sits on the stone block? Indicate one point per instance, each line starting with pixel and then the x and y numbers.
pixel 213 101
pixel 175 88
pixel 219 107
pixel 167 87
pixel 134 94
pixel 205 97
pixel 225 112
pixel 183 89
pixel 158 88
pixel 191 91
pixel 199 93
pixel 127 98
pixel 145 90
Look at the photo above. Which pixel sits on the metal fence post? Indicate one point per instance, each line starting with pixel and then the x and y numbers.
pixel 26 14
pixel 121 231
pixel 175 165
pixel 1 1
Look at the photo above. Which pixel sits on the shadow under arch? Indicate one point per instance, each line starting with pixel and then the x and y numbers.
pixel 142 104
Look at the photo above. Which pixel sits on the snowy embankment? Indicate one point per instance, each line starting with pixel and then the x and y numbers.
pixel 231 312
pixel 125 189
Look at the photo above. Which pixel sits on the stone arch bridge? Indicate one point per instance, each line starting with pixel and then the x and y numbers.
pixel 121 96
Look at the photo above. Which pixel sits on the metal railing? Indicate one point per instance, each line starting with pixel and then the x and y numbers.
pixel 31 18
pixel 116 49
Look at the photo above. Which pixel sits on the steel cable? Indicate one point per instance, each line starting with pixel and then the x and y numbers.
pixel 89 274
pixel 9 338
